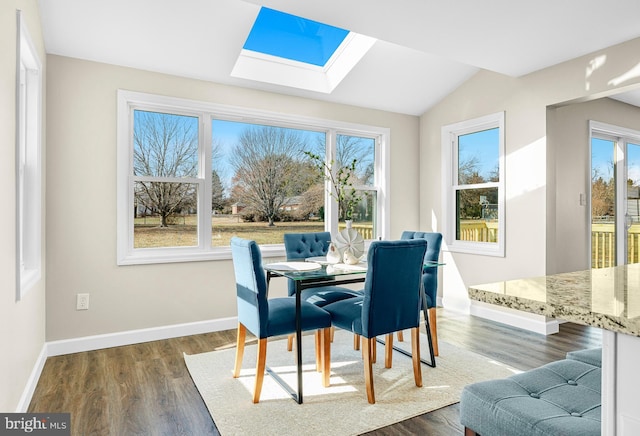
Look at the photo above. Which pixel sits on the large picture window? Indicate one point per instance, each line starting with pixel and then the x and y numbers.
pixel 191 175
pixel 474 185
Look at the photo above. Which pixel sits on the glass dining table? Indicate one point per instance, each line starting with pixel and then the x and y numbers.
pixel 309 274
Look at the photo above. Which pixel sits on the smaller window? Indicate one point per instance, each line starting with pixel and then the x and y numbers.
pixel 28 165
pixel 474 185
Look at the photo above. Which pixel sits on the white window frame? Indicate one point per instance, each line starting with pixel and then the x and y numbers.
pixel 450 134
pixel 621 136
pixel 380 184
pixel 128 101
pixel 28 161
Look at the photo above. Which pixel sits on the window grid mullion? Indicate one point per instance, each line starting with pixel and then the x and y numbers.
pixel 205 194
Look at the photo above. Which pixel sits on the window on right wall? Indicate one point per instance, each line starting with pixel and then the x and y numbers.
pixel 473 184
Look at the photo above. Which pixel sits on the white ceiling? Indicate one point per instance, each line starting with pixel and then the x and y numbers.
pixel 425 48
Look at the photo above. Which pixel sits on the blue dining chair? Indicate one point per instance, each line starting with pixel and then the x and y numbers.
pixel 391 302
pixel 267 317
pixel 299 246
pixel 429 277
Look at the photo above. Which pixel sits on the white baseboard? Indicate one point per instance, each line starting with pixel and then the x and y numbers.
pixel 89 343
pixel 535 323
pixel 32 382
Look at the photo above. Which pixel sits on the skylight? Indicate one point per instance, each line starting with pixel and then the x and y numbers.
pixel 287 50
pixel 298 39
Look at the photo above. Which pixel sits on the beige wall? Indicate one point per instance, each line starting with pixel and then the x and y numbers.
pixel 81 201
pixel 22 324
pixel 568 139
pixel 531 205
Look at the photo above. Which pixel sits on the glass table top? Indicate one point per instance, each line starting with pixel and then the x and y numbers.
pixel 319 272
pixel 298 270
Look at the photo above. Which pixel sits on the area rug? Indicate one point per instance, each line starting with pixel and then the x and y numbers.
pixel 342 408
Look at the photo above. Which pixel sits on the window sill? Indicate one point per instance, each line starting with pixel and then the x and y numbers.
pixel 178 255
pixel 478 249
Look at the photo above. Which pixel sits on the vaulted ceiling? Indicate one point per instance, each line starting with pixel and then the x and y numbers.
pixel 424 50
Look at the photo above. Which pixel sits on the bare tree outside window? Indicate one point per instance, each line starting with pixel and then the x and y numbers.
pixel 360 150
pixel 165 146
pixel 268 169
pixel 603 192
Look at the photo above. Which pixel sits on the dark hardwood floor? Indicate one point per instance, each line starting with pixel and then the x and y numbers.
pixel 145 389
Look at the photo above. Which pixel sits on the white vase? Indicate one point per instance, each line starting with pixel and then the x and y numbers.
pixel 351 241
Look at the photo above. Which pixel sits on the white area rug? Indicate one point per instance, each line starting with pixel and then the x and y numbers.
pixel 342 408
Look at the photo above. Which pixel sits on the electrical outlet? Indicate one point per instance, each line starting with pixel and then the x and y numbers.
pixel 82 302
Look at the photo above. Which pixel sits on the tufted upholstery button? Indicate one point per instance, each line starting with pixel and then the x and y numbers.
pixel 567 389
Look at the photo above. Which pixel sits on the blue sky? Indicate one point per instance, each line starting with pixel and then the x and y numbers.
pixel 226 133
pixel 288 36
pixel 602 156
pixel 633 157
pixel 484 147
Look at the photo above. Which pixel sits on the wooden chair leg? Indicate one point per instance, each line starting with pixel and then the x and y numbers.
pixel 469 432
pixel 373 349
pixel 290 342
pixel 318 351
pixel 415 352
pixel 326 356
pixel 400 336
pixel 260 367
pixel 434 329
pixel 333 331
pixel 356 342
pixel 368 370
pixel 241 336
pixel 388 350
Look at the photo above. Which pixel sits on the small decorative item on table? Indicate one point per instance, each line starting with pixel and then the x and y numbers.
pixel 333 255
pixel 350 244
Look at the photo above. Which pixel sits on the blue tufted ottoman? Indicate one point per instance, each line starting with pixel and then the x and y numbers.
pixel 592 356
pixel 560 398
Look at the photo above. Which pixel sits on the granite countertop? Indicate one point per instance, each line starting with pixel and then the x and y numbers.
pixel 608 298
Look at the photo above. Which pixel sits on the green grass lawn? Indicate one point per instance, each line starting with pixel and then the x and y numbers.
pixel 183 231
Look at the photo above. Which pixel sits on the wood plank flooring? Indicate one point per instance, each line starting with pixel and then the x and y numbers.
pixel 145 389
